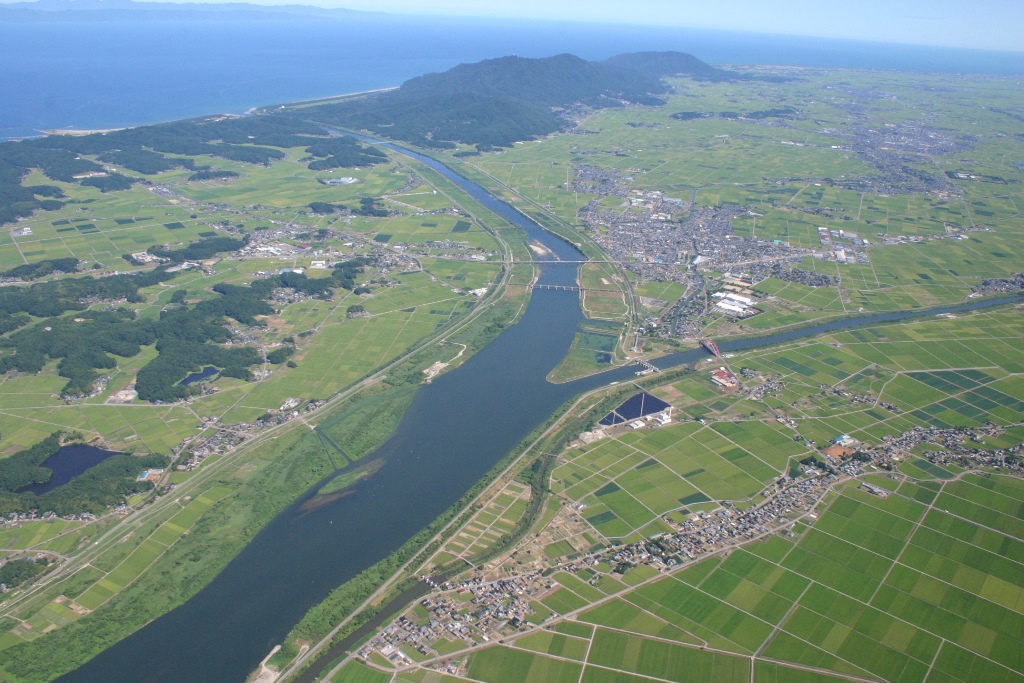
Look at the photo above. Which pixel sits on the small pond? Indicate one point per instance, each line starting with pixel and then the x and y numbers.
pixel 68 463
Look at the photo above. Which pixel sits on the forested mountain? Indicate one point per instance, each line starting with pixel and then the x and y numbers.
pixel 500 101
pixel 492 103
pixel 659 64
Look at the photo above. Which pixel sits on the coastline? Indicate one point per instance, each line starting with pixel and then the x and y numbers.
pixel 76 132
pixel 319 100
pixel 252 111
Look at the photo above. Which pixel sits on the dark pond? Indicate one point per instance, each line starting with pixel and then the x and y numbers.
pixel 454 431
pixel 208 371
pixel 68 463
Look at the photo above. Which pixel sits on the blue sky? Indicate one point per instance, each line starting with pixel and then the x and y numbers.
pixel 982 24
pixel 978 24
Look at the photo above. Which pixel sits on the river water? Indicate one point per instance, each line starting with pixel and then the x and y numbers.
pixel 454 431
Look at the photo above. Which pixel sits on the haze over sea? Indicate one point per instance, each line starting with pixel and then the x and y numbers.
pixel 108 74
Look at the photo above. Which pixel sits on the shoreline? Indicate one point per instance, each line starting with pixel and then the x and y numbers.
pixel 251 111
pixel 319 100
pixel 75 132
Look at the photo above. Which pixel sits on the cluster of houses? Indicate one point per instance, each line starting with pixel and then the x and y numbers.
pixel 473 611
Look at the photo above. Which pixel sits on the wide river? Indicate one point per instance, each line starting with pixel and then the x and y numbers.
pixel 456 429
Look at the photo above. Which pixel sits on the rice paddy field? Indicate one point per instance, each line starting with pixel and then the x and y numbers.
pixel 794 176
pixel 918 579
pixel 334 350
pixel 417 288
pixel 919 582
pixel 922 582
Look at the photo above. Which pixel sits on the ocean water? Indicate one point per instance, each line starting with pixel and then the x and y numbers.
pixel 107 74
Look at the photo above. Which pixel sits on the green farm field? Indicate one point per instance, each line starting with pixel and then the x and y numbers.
pixel 923 248
pixel 414 287
pixel 920 582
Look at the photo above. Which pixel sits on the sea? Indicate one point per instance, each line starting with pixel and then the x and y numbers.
pixel 110 73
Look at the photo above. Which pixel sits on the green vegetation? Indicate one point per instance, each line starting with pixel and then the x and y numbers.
pixel 171 323
pixel 185 337
pixel 922 584
pixel 343 152
pixel 16 572
pixel 34 271
pixel 212 175
pixel 497 102
pixel 197 251
pixel 919 583
pixel 590 352
pixel 103 485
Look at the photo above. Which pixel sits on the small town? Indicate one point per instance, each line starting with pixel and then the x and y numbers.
pixel 492 606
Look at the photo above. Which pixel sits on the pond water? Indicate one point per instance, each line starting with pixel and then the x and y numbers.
pixel 454 431
pixel 208 371
pixel 68 463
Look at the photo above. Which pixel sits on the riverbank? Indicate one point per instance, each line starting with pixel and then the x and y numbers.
pixel 571 425
pixel 264 482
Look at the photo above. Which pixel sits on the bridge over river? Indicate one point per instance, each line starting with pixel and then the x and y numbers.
pixel 455 430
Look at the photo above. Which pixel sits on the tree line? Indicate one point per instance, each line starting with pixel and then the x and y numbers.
pixel 105 484
pixel 161 147
pixel 186 337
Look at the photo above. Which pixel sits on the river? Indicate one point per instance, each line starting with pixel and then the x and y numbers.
pixel 454 431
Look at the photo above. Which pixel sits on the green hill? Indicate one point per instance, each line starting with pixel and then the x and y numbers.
pixel 500 101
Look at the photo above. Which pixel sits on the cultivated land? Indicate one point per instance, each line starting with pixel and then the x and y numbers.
pixel 848 510
pixel 423 258
pixel 698 550
pixel 726 184
pixel 703 550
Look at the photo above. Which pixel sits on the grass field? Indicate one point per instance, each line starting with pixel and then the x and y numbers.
pixel 105 586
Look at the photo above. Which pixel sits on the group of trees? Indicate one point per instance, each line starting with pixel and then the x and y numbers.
pixel 343 152
pixel 54 297
pixel 497 102
pixel 105 484
pixel 17 201
pixel 24 467
pixel 368 206
pixel 189 338
pixel 778 113
pixel 145 150
pixel 211 174
pixel 326 208
pixel 17 571
pixel 144 161
pixel 186 337
pixel 83 344
pixel 198 251
pixel 280 355
pixel 34 271
pixel 345 272
pixel 111 182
